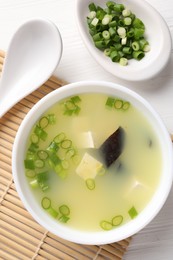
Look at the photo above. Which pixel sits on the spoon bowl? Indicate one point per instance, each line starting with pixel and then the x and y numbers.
pixel 33 54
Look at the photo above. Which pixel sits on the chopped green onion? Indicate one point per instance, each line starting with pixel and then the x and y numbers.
pixel 127 21
pixel 53 147
pixel 95 21
pixel 117 220
pixel 135 46
pixel 64 210
pixel 34 183
pixel 34 138
pixel 53 160
pixel 97 37
pixel 40 133
pixel 90 183
pixel 75 99
pixel 106 35
pixel 59 138
pixel 92 14
pixel 106 225
pixel 52 212
pixel 115 56
pixel 107 52
pixel 126 12
pixel 123 61
pixel 121 31
pixel 92 7
pixel 63 219
pixel 115 24
pixel 118 104
pixel 146 48
pixel 110 102
pixel 126 105
pixel 76 159
pixel 65 164
pixel 33 147
pixel 30 173
pixel 70 153
pixel 138 55
pixel 65 144
pixel 137 23
pixel 43 122
pixel 43 155
pixel 70 105
pixel 52 119
pixel 133 212
pixel 118 7
pixel 39 163
pixel 42 177
pixel 127 50
pixel 124 41
pixel 46 203
pixel 29 164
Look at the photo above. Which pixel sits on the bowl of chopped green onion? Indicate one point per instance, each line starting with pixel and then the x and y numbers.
pixel 92 162
pixel 129 39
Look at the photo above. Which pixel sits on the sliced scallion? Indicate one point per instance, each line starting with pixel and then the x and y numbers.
pixel 110 102
pixel 118 104
pixel 43 122
pixel 126 105
pixel 29 164
pixel 65 144
pixel 46 203
pixel 133 212
pixel 64 210
pixel 30 173
pixel 39 163
pixel 115 24
pixel 59 138
pixel 63 219
pixel 43 155
pixel 117 220
pixel 34 183
pixel 90 183
pixel 52 212
pixel 106 225
pixel 34 138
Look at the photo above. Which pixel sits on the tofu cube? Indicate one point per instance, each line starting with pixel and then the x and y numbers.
pixel 89 167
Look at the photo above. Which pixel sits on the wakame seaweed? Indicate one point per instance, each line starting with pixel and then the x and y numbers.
pixel 112 147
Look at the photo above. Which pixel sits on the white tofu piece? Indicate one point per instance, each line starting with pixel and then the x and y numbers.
pixel 89 167
pixel 85 140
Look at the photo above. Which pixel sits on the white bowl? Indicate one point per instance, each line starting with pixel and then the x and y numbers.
pixel 28 198
pixel 157 34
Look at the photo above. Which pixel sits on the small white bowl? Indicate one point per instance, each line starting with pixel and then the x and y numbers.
pixel 157 34
pixel 28 198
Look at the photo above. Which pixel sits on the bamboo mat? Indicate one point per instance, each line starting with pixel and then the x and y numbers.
pixel 20 236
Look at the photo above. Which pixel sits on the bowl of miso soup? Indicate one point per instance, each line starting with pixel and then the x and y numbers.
pixel 92 162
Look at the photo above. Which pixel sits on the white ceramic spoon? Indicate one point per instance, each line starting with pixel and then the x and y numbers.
pixel 33 54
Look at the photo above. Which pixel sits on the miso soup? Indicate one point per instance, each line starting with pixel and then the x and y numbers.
pixel 93 162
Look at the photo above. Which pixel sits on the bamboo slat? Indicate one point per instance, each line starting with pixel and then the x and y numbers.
pixel 20 236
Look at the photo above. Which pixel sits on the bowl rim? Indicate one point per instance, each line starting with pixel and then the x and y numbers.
pixel 47 222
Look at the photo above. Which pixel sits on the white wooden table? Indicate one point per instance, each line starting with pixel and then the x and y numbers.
pixel 155 242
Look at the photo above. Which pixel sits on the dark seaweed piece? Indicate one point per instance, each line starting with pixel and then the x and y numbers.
pixel 112 148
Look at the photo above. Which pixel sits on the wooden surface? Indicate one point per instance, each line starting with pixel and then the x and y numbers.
pixel 20 236
pixel 155 242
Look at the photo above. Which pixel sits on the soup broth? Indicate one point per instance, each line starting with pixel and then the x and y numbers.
pixel 65 162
